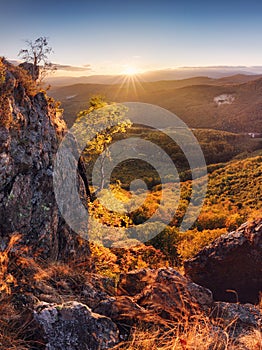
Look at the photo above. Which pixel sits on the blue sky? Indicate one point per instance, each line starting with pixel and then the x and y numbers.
pixel 114 35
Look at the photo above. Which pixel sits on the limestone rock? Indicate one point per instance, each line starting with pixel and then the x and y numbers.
pixel 231 267
pixel 73 326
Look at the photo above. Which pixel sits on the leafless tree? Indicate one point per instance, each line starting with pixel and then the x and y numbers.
pixel 36 54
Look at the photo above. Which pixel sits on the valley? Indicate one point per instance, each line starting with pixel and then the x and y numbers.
pixel 193 100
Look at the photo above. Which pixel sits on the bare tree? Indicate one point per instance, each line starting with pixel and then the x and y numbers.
pixel 36 55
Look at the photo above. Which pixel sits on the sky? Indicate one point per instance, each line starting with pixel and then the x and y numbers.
pixel 112 37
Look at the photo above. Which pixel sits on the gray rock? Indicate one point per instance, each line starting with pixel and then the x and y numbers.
pixel 31 69
pixel 73 326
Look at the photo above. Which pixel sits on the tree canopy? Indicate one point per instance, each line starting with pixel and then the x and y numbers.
pixel 103 120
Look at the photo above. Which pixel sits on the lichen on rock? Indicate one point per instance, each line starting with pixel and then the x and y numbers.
pixel 28 145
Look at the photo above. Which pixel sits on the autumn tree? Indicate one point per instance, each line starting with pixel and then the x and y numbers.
pixel 112 116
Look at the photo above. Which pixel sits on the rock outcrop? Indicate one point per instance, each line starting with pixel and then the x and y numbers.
pixel 231 267
pixel 162 297
pixel 33 70
pixel 30 132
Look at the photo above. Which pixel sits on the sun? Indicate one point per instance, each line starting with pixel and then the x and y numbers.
pixel 130 70
pixel 130 80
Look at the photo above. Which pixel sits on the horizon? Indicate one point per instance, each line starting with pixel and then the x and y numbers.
pixel 169 74
pixel 112 38
pixel 229 70
pixel 222 70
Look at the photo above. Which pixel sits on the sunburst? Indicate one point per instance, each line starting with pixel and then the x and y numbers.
pixel 130 81
pixel 130 70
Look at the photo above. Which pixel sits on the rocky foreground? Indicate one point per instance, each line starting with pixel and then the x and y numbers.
pixel 151 298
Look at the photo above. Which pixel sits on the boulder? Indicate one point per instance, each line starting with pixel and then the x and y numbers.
pixel 231 266
pixel 165 291
pixel 171 295
pixel 73 326
pixel 161 295
pixel 154 298
pixel 238 319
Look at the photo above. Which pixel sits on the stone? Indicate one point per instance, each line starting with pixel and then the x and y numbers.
pixel 237 318
pixel 126 313
pixel 231 266
pixel 166 292
pixel 73 326
pixel 31 69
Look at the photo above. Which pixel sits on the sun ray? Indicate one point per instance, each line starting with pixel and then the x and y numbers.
pixel 130 83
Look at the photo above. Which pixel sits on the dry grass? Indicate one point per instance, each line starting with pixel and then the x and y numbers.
pixel 22 276
pixel 10 333
pixel 194 333
pixel 199 335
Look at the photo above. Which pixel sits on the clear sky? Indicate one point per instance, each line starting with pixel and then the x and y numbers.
pixel 112 36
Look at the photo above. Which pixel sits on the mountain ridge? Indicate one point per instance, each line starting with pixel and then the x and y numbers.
pixel 193 100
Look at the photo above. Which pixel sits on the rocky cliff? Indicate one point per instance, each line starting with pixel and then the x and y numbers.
pixel 30 132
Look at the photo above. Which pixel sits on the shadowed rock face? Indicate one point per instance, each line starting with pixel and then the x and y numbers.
pixel 28 147
pixel 231 267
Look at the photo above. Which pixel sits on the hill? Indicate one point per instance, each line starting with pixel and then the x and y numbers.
pixel 217 146
pixel 230 104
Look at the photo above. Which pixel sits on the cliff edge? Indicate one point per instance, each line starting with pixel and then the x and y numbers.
pixel 31 128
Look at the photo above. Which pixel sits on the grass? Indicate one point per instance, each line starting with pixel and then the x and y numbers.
pixel 194 337
pixel 198 334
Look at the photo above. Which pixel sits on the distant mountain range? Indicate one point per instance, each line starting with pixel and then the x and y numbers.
pixel 232 103
pixel 157 75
